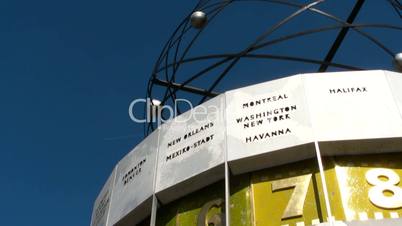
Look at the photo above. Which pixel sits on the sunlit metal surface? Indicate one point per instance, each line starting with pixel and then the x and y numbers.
pixel 362 181
pixel 377 193
pixel 274 206
pixel 296 203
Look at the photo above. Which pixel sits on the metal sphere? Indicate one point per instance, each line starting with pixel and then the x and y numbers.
pixel 156 102
pixel 198 19
pixel 398 62
pixel 156 108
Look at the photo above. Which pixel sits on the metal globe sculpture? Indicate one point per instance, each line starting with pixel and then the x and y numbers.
pixel 307 149
pixel 292 36
pixel 198 19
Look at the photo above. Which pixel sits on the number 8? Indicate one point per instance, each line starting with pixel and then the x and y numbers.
pixel 376 193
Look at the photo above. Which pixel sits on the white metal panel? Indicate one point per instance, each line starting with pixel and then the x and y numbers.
pixel 134 181
pixel 395 83
pixel 191 144
pixel 101 209
pixel 352 106
pixel 263 125
pixel 267 117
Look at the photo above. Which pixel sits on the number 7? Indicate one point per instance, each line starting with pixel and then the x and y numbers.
pixel 296 202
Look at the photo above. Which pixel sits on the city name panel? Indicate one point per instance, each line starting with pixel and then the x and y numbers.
pixel 302 150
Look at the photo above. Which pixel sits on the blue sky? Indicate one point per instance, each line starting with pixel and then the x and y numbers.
pixel 69 70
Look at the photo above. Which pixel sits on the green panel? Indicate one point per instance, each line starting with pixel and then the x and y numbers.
pixel 185 211
pixel 240 203
pixel 260 198
pixel 270 205
pixel 354 186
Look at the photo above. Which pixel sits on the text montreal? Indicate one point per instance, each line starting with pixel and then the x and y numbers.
pixel 264 100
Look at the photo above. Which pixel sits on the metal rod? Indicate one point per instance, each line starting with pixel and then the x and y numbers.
pixel 155 203
pixel 154 210
pixel 341 36
pixel 258 40
pixel 324 183
pixel 227 194
pixel 189 89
